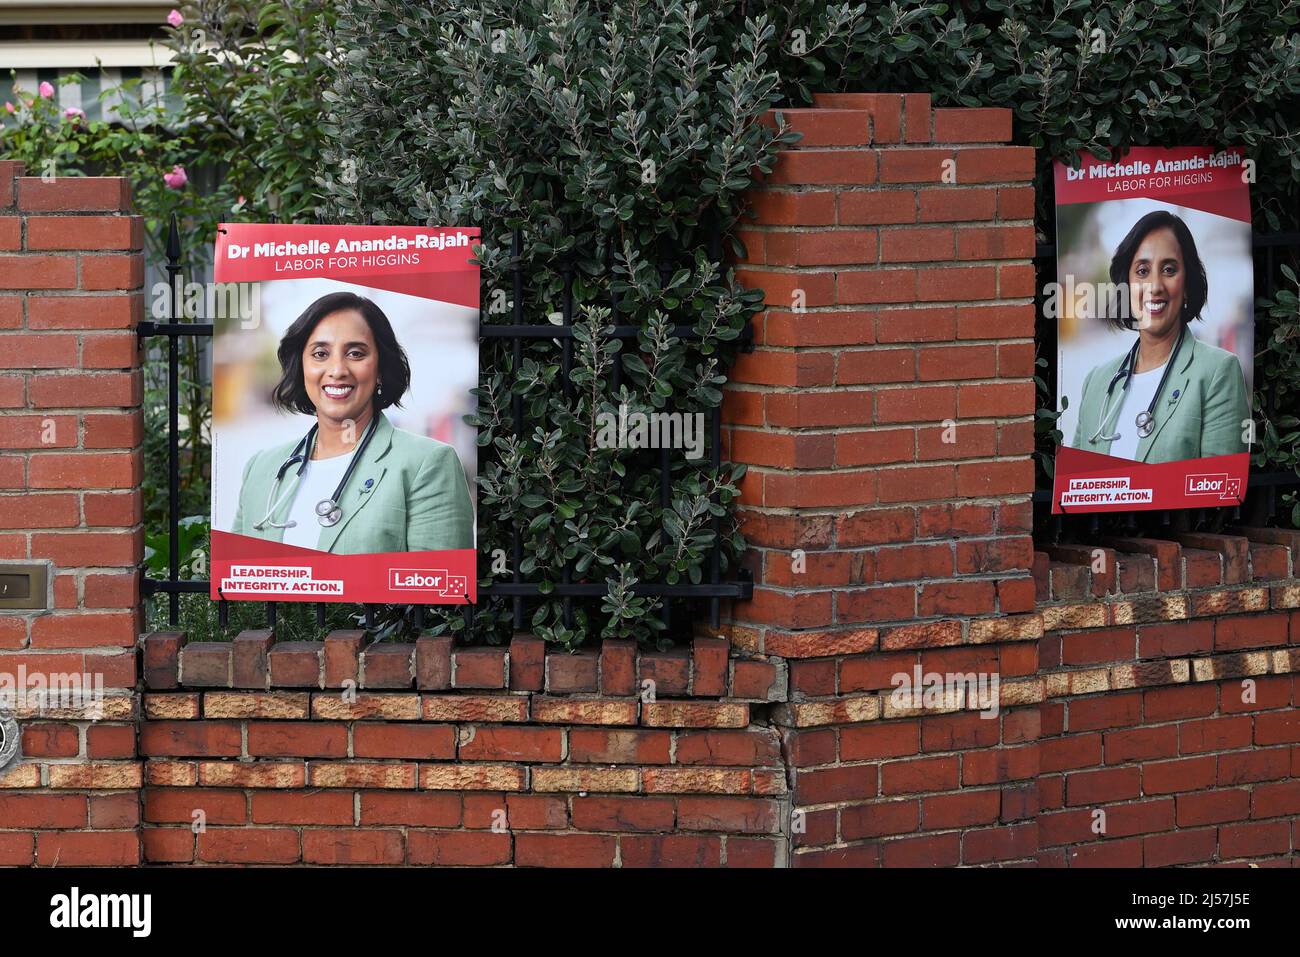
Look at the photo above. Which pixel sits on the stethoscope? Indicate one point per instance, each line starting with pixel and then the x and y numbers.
pixel 1146 419
pixel 328 510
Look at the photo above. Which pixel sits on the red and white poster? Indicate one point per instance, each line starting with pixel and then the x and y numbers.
pixel 1154 303
pixel 342 468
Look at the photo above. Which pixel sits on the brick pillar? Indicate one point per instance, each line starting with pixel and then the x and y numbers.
pixel 886 416
pixel 71 270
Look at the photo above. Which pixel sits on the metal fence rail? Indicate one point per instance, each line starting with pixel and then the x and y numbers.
pixel 713 590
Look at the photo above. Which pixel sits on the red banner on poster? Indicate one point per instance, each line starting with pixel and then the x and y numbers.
pixel 1192 176
pixel 1087 482
pixel 250 568
pixel 415 260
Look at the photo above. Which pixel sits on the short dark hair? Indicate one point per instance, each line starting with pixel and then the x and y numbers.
pixel 1196 287
pixel 290 394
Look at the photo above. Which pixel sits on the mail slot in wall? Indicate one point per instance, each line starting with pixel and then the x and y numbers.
pixel 24 586
pixel 15 586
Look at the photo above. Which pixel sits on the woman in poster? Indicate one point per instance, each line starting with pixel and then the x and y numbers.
pixel 1170 397
pixel 354 484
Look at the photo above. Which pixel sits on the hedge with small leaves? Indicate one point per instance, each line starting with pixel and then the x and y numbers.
pixel 616 136
pixel 1080 75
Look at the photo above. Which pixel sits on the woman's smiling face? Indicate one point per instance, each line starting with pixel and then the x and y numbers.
pixel 1157 282
pixel 340 366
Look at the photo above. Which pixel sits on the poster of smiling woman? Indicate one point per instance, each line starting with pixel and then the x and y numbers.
pixel 342 469
pixel 1155 330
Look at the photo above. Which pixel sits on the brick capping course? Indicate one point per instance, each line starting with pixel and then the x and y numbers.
pixel 342 660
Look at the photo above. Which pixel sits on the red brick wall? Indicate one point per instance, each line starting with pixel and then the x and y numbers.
pixel 887 420
pixel 1169 732
pixel 1121 736
pixel 1117 698
pixel 1125 737
pixel 418 754
pixel 879 548
pixel 70 470
pixel 887 416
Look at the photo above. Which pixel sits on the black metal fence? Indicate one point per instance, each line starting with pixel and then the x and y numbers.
pixel 1260 506
pixel 1261 503
pixel 713 590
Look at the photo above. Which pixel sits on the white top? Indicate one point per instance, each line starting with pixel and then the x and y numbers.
pixel 319 480
pixel 1137 397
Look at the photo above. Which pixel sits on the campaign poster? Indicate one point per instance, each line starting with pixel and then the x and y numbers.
pixel 1155 330
pixel 342 468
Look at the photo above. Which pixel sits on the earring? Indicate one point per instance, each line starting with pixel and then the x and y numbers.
pixel 379 390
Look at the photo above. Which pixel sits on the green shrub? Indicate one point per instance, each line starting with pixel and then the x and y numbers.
pixel 51 141
pixel 1277 396
pixel 542 114
pixel 249 76
pixel 242 114
pixel 619 130
pixel 1078 75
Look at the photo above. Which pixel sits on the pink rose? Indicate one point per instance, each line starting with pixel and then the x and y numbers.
pixel 74 114
pixel 175 18
pixel 176 179
pixel 9 107
pixel 46 89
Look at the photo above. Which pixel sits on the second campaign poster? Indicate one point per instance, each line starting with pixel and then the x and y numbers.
pixel 1155 323
pixel 342 467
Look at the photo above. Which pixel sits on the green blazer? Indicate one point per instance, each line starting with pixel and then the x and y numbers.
pixel 418 500
pixel 1200 412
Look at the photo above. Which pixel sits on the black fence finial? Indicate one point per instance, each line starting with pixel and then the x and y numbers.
pixel 173 241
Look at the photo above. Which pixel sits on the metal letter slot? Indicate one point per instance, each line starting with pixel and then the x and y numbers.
pixel 24 586
pixel 15 586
